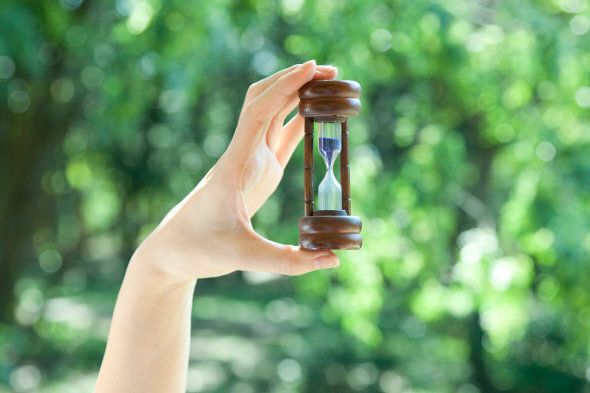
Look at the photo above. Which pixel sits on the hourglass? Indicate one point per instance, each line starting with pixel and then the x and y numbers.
pixel 328 224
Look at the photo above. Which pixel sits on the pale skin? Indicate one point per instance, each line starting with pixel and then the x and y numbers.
pixel 208 234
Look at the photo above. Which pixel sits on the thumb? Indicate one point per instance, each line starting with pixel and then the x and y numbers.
pixel 267 256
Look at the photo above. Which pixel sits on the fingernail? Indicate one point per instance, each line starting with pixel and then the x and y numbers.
pixel 302 66
pixel 326 261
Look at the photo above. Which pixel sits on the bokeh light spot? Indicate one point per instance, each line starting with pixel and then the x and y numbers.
pixel 381 40
pixel 546 151
pixel 172 101
pixel 292 7
pixel 297 45
pixel 583 96
pixel 214 145
pixel 25 378
pixel 50 261
pixel 289 371
pixel 92 77
pixel 62 90
pixel 572 6
pixel 175 21
pixel 252 40
pixel 264 63
pixel 7 67
pixel 140 18
pixel 70 4
pixel 19 101
pixel 579 24
pixel 361 376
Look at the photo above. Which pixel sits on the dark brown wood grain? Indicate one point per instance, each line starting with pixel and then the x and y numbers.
pixel 330 224
pixel 330 233
pixel 327 241
pixel 329 106
pixel 308 162
pixel 329 213
pixel 345 169
pixel 330 88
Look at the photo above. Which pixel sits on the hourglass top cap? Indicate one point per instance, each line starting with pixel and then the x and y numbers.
pixel 330 88
pixel 326 99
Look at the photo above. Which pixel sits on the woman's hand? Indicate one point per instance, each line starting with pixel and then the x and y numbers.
pixel 209 233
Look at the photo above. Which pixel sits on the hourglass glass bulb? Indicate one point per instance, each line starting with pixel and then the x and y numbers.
pixel 330 142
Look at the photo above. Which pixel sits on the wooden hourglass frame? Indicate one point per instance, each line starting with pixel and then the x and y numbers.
pixel 329 101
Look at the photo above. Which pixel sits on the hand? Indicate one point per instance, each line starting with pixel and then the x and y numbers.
pixel 209 233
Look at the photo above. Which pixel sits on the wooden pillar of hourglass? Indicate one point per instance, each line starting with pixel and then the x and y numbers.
pixel 328 101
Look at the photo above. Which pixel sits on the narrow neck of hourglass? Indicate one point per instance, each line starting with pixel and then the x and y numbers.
pixel 329 161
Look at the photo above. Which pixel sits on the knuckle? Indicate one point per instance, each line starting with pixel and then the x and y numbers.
pixel 286 264
pixel 284 267
pixel 255 111
pixel 252 88
pixel 284 86
pixel 251 107
pixel 290 265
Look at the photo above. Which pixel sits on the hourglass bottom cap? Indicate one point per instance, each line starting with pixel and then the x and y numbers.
pixel 330 232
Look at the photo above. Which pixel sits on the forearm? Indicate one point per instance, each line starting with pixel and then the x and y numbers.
pixel 148 343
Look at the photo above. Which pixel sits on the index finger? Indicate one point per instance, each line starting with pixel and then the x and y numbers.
pixel 258 87
pixel 275 97
pixel 322 72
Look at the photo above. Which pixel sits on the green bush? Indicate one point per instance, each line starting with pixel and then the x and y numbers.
pixel 470 168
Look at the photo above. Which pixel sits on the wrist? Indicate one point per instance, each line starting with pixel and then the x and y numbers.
pixel 145 268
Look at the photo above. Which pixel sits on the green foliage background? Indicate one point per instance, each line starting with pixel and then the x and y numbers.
pixel 471 170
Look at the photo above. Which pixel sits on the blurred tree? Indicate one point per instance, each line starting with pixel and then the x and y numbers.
pixel 470 168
